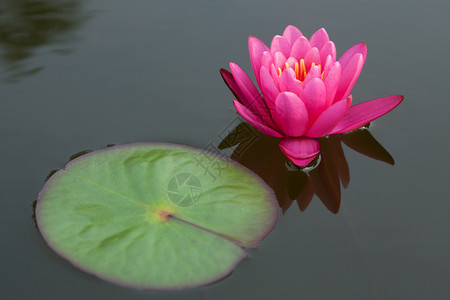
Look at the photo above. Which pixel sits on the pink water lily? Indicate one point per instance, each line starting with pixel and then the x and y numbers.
pixel 305 91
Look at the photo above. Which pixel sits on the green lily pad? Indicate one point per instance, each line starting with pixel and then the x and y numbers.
pixel 152 215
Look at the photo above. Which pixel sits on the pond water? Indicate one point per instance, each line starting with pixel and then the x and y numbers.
pixel 79 75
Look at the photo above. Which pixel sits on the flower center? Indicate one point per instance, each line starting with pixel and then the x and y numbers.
pixel 300 69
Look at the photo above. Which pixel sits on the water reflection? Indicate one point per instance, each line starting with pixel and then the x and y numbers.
pixel 264 157
pixel 27 25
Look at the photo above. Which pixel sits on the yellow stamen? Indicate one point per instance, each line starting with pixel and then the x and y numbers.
pixel 279 72
pixel 302 70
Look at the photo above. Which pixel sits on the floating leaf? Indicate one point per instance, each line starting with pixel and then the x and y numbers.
pixel 152 215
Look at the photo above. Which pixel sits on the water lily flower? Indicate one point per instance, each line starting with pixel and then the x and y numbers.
pixel 305 91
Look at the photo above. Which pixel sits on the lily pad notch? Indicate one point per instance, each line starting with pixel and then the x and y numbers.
pixel 155 215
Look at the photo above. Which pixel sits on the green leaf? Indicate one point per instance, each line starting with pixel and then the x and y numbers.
pixel 157 216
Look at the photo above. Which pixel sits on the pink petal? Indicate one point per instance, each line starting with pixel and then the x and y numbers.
pixel 358 48
pixel 300 150
pixel 319 38
pixel 280 44
pixel 268 88
pixel 289 82
pixel 266 60
pixel 314 97
pixel 328 119
pixel 313 73
pixel 300 48
pixel 291 116
pixel 255 120
pixel 280 60
pixel 252 98
pixel 231 83
pixel 332 82
pixel 313 56
pixel 327 66
pixel 291 61
pixel 328 49
pixel 256 48
pixel 291 34
pixel 274 74
pixel 363 113
pixel 349 75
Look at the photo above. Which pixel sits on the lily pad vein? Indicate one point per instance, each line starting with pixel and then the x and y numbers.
pixel 113 192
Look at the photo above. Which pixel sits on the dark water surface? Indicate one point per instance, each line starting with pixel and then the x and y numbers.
pixel 80 75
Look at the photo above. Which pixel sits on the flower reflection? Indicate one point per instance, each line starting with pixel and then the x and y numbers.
pixel 291 183
pixel 27 25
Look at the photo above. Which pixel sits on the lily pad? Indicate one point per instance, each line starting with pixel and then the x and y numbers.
pixel 153 215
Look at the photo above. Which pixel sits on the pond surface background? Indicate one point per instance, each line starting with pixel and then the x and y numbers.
pixel 81 75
